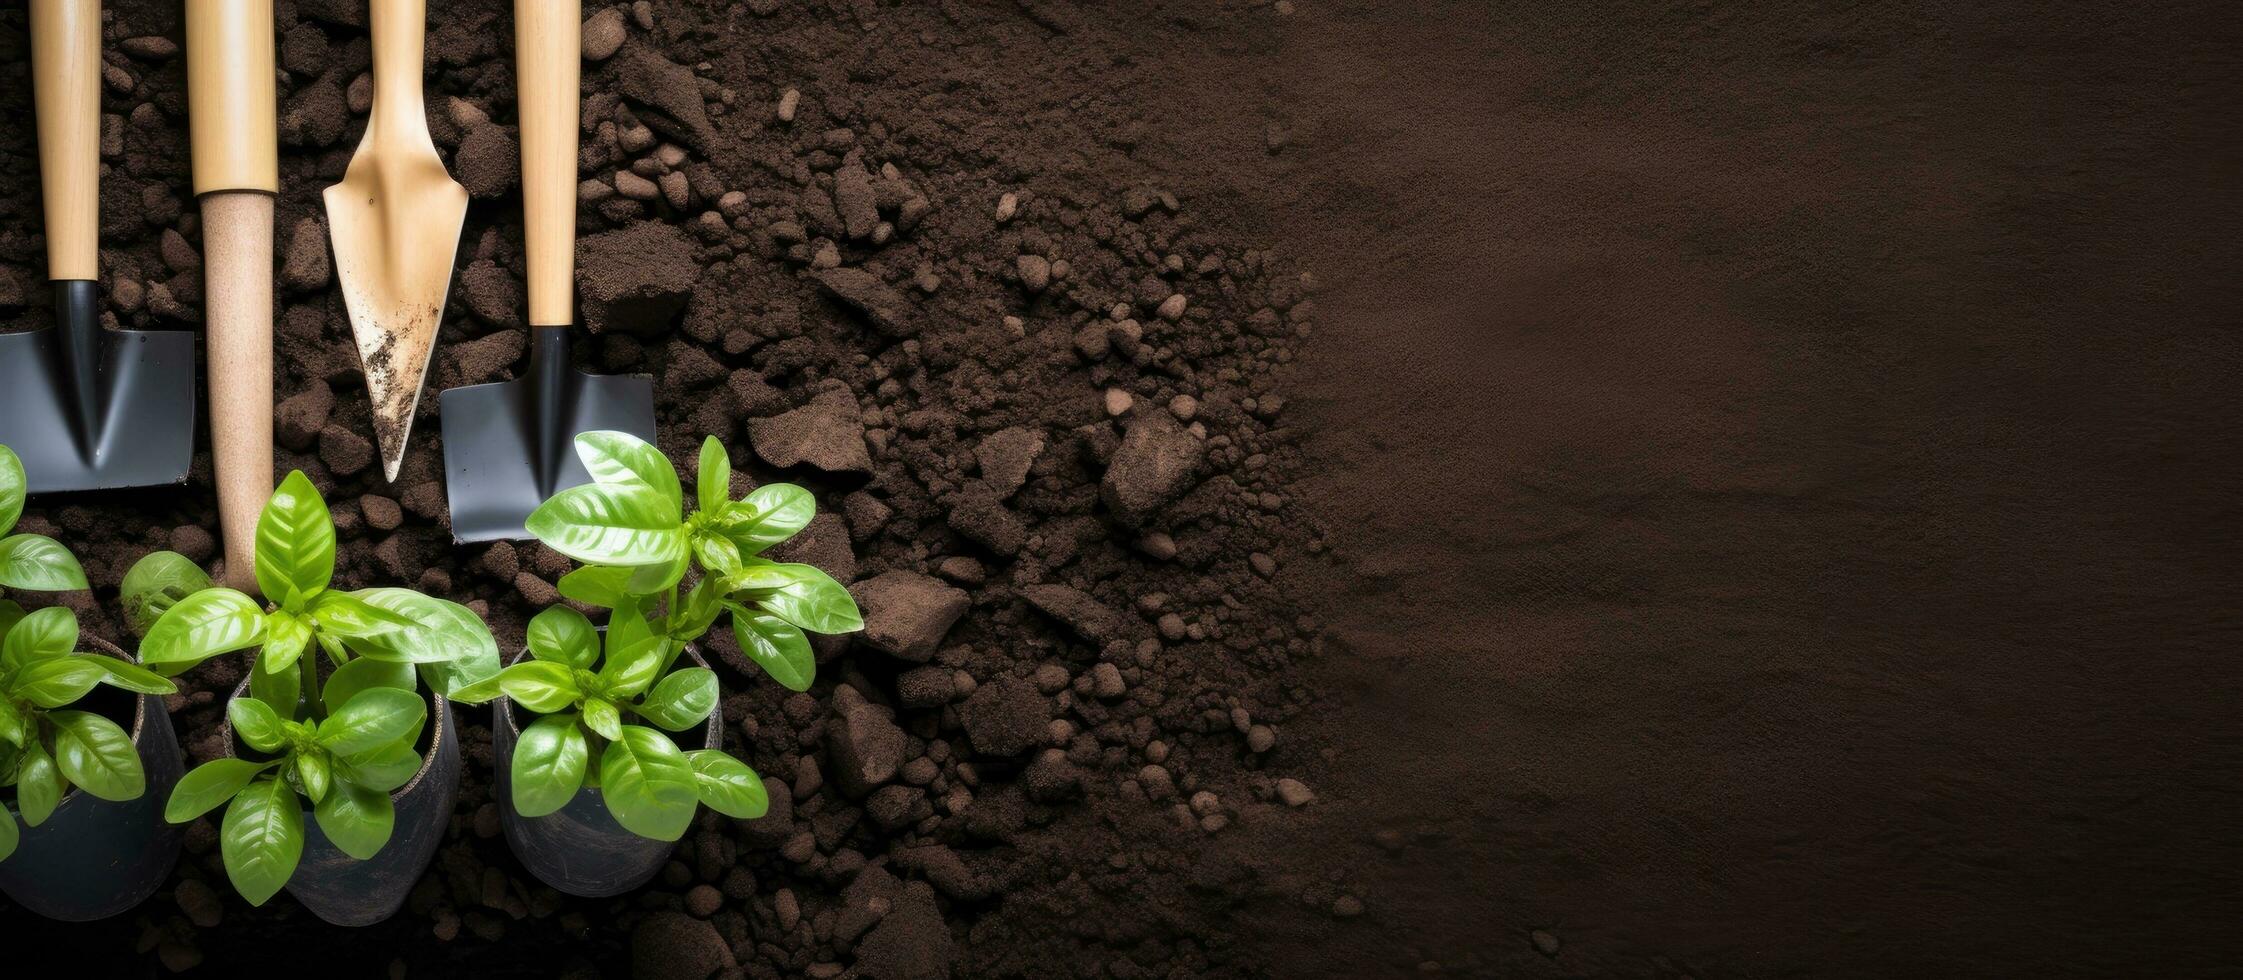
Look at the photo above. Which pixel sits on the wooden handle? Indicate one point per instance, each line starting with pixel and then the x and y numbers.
pixel 66 88
pixel 230 96
pixel 547 50
pixel 238 297
pixel 400 30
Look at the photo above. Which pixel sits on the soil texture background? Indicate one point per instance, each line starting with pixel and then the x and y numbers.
pixel 1339 488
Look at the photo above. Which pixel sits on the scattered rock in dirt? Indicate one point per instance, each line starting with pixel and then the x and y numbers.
pixel 1087 617
pixel 1155 465
pixel 886 309
pixel 827 433
pixel 865 745
pixel 907 614
pixel 669 946
pixel 634 279
pixel 1005 717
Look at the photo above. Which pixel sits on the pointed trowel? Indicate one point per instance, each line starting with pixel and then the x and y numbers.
pixel 395 221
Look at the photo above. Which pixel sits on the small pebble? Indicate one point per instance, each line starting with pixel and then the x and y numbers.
pixel 1545 942
pixel 1293 792
pixel 1172 308
pixel 788 103
pixel 1007 205
pixel 1118 402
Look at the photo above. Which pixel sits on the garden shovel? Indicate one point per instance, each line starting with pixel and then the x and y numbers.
pixel 395 220
pixel 85 408
pixel 507 446
pixel 235 148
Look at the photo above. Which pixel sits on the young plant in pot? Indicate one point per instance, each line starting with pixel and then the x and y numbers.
pixel 85 745
pixel 607 747
pixel 341 780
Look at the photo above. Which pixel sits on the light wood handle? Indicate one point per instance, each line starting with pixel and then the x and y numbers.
pixel 547 53
pixel 66 89
pixel 400 34
pixel 238 298
pixel 232 136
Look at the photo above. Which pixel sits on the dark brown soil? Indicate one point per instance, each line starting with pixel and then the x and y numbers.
pixel 1753 492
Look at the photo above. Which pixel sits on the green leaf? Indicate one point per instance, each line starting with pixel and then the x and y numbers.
pixel 209 784
pixel 683 699
pixel 9 835
pixel 716 553
pixel 647 784
pixel 13 488
pixel 295 541
pixel 384 768
pixel 622 459
pixel 548 765
pixel 374 717
pixel 775 645
pixel 56 681
pixel 262 838
pixel 457 653
pixel 358 820
pixel 259 726
pixel 703 604
pixel 647 580
pixel 727 785
pixel 540 686
pixel 312 773
pixel 713 480
pixel 14 730
pixel 39 785
pixel 157 582
pixel 629 671
pixel 602 717
pixel 280 690
pixel 611 524
pixel 97 756
pixel 808 598
pixel 286 636
pixel 768 515
pixel 10 615
pixel 597 585
pixel 39 563
pixel 131 677
pixel 42 635
pixel 562 635
pixel 364 674
pixel 353 617
pixel 201 626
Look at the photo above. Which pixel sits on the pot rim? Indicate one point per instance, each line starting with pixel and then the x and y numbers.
pixel 139 719
pixel 502 707
pixel 428 759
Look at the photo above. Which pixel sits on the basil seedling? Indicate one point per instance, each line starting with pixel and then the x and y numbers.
pixel 342 744
pixel 46 747
pixel 33 562
pixel 629 526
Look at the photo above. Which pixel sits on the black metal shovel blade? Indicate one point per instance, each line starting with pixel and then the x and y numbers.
pixel 508 446
pixel 89 409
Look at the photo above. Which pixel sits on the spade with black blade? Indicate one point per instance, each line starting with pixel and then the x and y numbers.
pixel 507 446
pixel 87 409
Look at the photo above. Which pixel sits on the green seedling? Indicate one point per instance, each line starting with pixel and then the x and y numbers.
pixel 155 584
pixel 32 562
pixel 46 747
pixel 630 529
pixel 342 744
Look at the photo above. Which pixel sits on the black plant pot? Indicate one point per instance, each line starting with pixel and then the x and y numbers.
pixel 345 891
pixel 93 858
pixel 580 849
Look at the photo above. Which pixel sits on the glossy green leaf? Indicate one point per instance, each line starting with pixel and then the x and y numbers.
pixel 727 785
pixel 13 488
pixel 383 768
pixel 262 839
pixel 55 681
pixel 42 635
pixel 540 686
pixel 295 540
pixel 647 580
pixel 39 563
pixel 353 617
pixel 703 604
pixel 777 646
pixel 10 615
pixel 453 647
pixel 15 729
pixel 602 717
pixel 358 820
pixel 312 773
pixel 281 690
pixel 683 699
pixel 713 479
pixel 809 598
pixel 622 459
pixel 201 626
pixel 364 674
pixel 10 836
pixel 716 553
pixel 374 717
pixel 257 724
pixel 564 636
pixel 768 515
pixel 97 756
pixel 286 636
pixel 131 677
pixel 611 524
pixel 39 784
pixel 647 785
pixel 632 670
pixel 549 763
pixel 597 585
pixel 207 785
pixel 156 583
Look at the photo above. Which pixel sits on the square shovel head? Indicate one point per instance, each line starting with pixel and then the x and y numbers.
pixel 508 446
pixel 134 425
